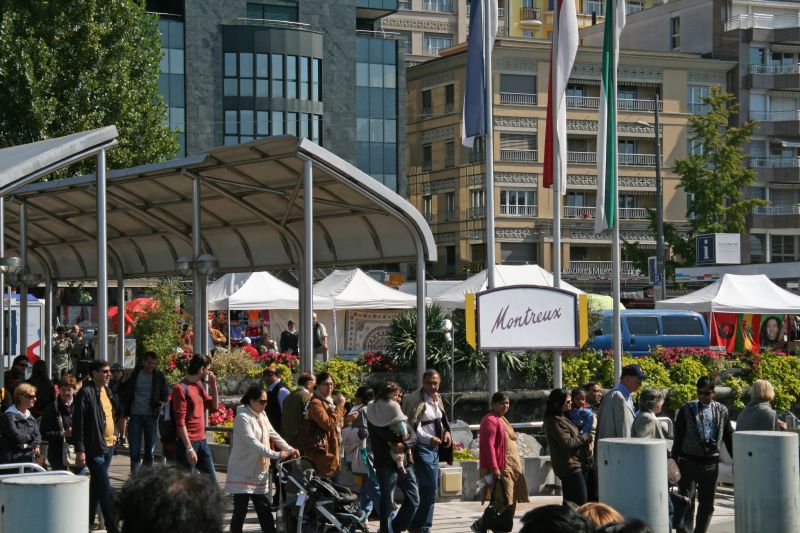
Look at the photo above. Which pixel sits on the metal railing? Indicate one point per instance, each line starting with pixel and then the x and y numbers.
pixel 772 70
pixel 437 6
pixel 583 102
pixel 774 162
pixel 518 98
pixel 477 212
pixel 633 213
pixel 517 155
pixel 451 215
pixel 599 268
pixel 527 14
pixel 274 23
pixel 578 212
pixel 698 109
pixel 637 160
pixel 582 158
pixel 539 425
pixel 762 21
pixel 433 50
pixel 775 116
pixel 625 104
pixel 519 210
pixel 777 210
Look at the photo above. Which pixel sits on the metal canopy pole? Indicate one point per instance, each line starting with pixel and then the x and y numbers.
pixel 102 259
pixel 121 318
pixel 422 326
pixel 661 286
pixel 488 45
pixel 197 326
pixel 47 336
pixel 306 278
pixel 204 346
pixel 23 289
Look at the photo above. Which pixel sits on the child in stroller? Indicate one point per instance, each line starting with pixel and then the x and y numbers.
pixel 314 504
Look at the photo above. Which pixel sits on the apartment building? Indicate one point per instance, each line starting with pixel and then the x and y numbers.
pixel 446 180
pixel 239 70
pixel 428 26
pixel 763 38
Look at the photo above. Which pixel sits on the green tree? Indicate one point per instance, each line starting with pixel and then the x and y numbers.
pixel 73 65
pixel 714 176
pixel 158 331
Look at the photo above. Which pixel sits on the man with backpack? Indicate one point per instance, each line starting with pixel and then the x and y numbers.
pixel 189 403
pixel 143 395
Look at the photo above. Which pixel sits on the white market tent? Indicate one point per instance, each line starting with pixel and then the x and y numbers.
pixel 256 290
pixel 735 293
pixel 505 275
pixel 354 289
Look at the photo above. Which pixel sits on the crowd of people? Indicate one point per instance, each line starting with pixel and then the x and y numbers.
pixel 389 439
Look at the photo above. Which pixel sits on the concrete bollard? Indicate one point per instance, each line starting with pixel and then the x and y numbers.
pixel 632 476
pixel 46 502
pixel 765 474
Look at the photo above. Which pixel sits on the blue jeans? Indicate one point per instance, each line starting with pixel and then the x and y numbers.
pixel 205 463
pixel 137 425
pixel 369 498
pixel 388 478
pixel 100 488
pixel 426 467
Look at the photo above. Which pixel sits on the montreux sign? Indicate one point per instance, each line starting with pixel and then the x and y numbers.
pixel 526 317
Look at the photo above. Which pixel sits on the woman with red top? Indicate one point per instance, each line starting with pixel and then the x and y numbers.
pixel 499 459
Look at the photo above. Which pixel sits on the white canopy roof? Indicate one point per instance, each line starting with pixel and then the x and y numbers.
pixel 735 293
pixel 256 290
pixel 354 289
pixel 505 275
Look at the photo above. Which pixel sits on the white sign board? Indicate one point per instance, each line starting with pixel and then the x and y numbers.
pixel 525 317
pixel 718 249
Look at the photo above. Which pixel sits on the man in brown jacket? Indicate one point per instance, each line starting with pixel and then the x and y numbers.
pixel 293 407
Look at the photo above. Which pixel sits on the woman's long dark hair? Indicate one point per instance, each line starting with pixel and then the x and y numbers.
pixel 253 392
pixel 555 402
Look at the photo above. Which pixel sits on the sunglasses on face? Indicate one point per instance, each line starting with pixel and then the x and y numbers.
pixel 262 402
pixel 106 371
pixel 269 373
pixel 30 396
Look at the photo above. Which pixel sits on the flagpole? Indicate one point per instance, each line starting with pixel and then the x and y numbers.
pixel 556 254
pixel 488 45
pixel 615 252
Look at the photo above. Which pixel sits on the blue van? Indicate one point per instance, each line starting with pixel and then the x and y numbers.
pixel 643 329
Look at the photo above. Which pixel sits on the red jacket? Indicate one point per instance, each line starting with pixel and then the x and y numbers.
pixel 492 443
pixel 252 352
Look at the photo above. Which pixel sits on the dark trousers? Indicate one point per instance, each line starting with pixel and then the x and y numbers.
pixel 388 479
pixel 139 425
pixel 590 474
pixel 261 503
pixel 698 479
pixel 100 488
pixel 573 488
pixel 205 462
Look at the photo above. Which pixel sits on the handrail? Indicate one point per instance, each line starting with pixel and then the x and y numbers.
pixel 22 466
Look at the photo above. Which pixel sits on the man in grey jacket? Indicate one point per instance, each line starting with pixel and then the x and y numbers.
pixel 615 414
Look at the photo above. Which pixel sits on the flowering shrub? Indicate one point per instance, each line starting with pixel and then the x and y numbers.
pixel 276 358
pixel 714 361
pixel 222 417
pixel 377 362
pixel 174 366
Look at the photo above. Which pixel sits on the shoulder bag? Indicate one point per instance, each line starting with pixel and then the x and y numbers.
pixel 67 450
pixel 495 519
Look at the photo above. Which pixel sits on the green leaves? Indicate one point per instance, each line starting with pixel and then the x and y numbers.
pixel 73 65
pixel 158 330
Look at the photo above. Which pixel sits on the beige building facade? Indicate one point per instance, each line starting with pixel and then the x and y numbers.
pixel 446 180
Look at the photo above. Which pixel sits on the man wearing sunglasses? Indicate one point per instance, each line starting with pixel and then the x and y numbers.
pixel 701 428
pixel 94 437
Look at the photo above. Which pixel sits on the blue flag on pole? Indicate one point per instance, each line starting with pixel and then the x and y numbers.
pixel 473 123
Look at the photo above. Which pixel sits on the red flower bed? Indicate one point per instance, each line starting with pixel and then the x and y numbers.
pixel 378 362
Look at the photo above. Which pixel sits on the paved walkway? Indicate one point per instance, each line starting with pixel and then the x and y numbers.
pixel 452 517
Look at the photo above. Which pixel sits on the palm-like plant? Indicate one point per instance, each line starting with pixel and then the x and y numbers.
pixel 403 339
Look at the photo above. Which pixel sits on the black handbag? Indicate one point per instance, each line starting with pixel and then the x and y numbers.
pixel 498 521
pixel 680 506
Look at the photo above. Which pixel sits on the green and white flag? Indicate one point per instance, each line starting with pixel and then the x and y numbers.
pixel 607 166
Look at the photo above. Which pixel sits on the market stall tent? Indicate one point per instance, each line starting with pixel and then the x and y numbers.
pixel 256 290
pixel 505 275
pixel 354 289
pixel 735 293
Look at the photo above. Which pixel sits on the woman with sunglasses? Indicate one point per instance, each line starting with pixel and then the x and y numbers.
pixel 248 463
pixel 20 432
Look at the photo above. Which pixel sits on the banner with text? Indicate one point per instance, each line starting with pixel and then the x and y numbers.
pixel 527 318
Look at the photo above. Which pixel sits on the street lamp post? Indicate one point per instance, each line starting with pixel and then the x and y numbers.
pixel 8 266
pixel 660 287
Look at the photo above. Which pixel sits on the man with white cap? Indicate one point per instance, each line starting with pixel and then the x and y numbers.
pixel 247 346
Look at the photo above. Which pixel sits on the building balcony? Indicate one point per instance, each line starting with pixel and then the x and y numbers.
pixel 586 213
pixel 627 160
pixel 437 6
pixel 477 212
pixel 518 98
pixel 778 123
pixel 582 158
pixel 757 21
pixel 786 77
pixel 599 269
pixel 530 18
pixel 774 70
pixel 519 210
pixel 623 104
pixel 775 217
pixel 518 155
pixel 774 162
pixel 776 168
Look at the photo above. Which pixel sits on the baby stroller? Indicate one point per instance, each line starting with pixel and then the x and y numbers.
pixel 311 503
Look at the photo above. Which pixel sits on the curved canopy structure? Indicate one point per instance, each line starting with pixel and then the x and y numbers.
pixel 251 215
